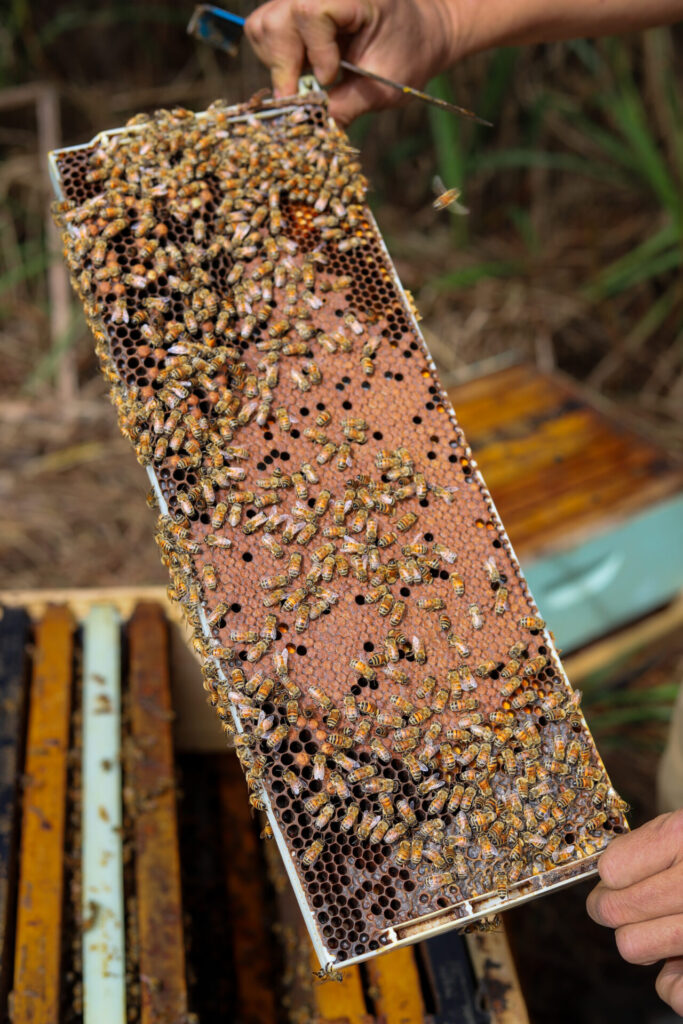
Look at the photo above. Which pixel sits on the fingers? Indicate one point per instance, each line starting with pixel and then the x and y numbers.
pixel 286 33
pixel 669 984
pixel 657 896
pixel 649 941
pixel 277 43
pixel 646 851
pixel 319 24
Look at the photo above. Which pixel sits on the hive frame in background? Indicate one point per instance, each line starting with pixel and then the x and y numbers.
pixel 467 911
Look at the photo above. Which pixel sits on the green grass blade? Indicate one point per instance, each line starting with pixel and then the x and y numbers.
pixel 450 154
pixel 628 113
pixel 661 249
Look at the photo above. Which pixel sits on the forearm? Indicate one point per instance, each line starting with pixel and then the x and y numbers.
pixel 483 24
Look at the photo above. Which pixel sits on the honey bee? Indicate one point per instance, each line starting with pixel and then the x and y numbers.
pixel 397 612
pixel 312 853
pixel 475 617
pixel 439 701
pixel 387 805
pixel 366 771
pixel 362 730
pixel 256 652
pixel 379 785
pixel 416 851
pixel 380 751
pixel 325 816
pixel 432 604
pixel 531 622
pixel 367 823
pixel 459 644
pixel 485 669
pixel 535 665
pixel 573 752
pixel 403 853
pixel 420 715
pixel 277 736
pixel 210 576
pixel 362 669
pixel 350 817
pixel 501 601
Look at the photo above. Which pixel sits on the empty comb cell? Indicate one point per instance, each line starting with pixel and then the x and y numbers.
pixel 398 705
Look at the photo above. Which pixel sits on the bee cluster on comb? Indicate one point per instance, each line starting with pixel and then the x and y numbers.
pixel 398 706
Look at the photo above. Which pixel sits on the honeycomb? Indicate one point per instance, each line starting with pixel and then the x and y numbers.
pixel 365 630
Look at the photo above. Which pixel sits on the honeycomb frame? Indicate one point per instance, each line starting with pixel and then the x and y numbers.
pixel 345 349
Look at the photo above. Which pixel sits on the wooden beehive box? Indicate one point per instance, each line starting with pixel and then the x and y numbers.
pixel 593 510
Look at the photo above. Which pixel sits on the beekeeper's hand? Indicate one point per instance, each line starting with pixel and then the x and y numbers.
pixel 640 895
pixel 407 40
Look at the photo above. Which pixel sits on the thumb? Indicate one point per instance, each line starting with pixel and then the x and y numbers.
pixel 319 25
pixel 357 96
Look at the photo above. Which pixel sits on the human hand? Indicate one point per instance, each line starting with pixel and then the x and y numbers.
pixel 640 895
pixel 407 40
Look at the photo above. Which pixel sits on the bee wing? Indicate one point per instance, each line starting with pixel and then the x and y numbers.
pixel 438 186
pixel 457 209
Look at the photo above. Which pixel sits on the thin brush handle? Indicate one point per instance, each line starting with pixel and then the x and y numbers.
pixel 417 93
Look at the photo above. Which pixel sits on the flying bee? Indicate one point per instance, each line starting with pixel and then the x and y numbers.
pixel 448 198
